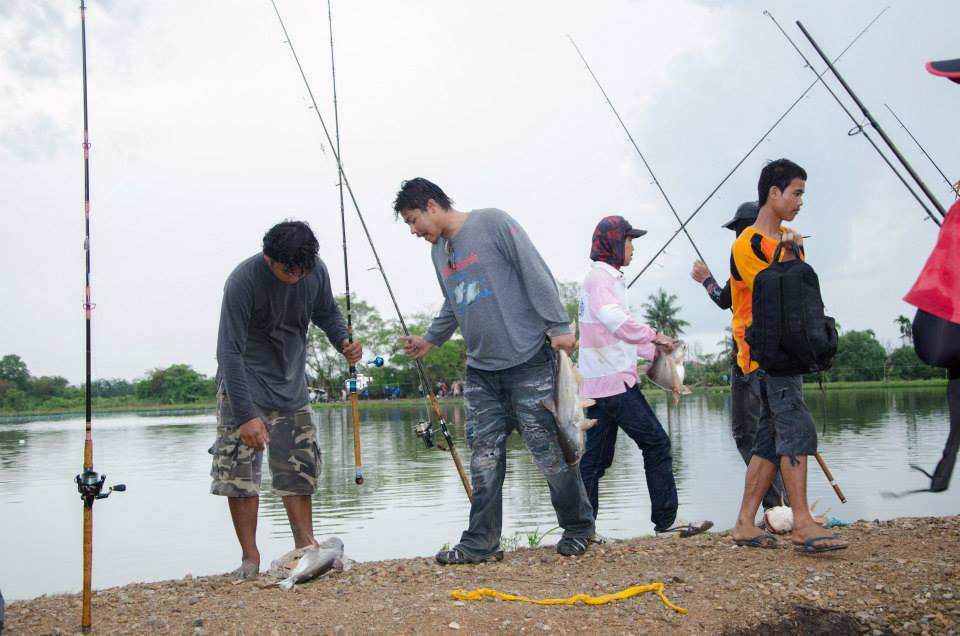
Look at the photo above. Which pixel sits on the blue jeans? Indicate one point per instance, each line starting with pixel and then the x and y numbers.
pixel 497 402
pixel 630 411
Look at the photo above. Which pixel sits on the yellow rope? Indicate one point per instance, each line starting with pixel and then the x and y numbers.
pixel 478 594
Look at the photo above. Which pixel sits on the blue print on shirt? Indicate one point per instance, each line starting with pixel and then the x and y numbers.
pixel 462 288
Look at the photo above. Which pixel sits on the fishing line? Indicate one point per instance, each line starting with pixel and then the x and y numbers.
pixel 89 483
pixel 874 123
pixel 635 147
pixel 955 188
pixel 352 383
pixel 421 371
pixel 754 147
pixel 863 131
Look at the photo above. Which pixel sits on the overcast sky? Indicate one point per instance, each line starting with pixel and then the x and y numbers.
pixel 203 138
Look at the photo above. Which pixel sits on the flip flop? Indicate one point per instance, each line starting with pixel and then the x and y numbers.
pixel 811 545
pixel 765 540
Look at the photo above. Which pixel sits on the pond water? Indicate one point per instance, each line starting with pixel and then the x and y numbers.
pixel 412 503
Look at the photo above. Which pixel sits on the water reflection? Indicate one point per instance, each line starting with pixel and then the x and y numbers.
pixel 412 502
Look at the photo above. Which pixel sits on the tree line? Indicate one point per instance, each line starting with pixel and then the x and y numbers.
pixel 177 384
pixel 860 357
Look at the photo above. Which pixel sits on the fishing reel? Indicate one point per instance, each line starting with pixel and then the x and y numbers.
pixel 90 486
pixel 424 431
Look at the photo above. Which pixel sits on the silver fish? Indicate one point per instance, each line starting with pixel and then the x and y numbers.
pixel 667 370
pixel 314 561
pixel 567 409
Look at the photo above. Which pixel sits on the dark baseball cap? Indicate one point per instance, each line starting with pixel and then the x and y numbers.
pixel 618 223
pixel 946 68
pixel 630 231
pixel 747 212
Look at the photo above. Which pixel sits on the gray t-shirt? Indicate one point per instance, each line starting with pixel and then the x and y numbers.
pixel 498 290
pixel 262 343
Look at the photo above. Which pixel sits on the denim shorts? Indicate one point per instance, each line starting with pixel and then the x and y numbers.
pixel 786 428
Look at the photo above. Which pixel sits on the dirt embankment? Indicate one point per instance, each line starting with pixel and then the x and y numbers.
pixel 898 577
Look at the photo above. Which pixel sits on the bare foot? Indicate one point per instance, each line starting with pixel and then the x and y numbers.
pixel 247 570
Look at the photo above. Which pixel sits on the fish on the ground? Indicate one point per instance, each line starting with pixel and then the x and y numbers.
pixel 567 409
pixel 304 564
pixel 779 519
pixel 667 370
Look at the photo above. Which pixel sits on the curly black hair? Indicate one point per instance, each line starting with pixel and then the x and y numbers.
pixel 415 193
pixel 292 244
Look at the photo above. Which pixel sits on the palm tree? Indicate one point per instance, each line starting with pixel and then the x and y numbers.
pixel 660 314
pixel 906 329
pixel 726 344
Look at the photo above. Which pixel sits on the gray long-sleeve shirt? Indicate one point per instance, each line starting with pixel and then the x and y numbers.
pixel 262 343
pixel 498 290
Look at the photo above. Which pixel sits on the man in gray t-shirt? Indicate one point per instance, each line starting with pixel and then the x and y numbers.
pixel 499 292
pixel 269 300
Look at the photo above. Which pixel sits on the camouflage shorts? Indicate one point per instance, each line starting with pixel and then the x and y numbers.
pixel 293 454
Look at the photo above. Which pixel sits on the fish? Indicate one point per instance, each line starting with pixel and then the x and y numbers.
pixel 779 519
pixel 567 409
pixel 667 370
pixel 304 564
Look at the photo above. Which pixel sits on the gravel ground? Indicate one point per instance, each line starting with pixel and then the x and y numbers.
pixel 897 577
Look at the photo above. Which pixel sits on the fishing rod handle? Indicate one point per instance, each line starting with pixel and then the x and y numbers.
pixel 829 476
pixel 453 449
pixel 358 462
pixel 460 471
pixel 840 495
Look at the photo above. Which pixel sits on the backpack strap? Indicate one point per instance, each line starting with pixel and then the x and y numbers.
pixel 789 245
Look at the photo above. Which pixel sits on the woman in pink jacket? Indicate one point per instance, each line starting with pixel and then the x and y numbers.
pixel 610 342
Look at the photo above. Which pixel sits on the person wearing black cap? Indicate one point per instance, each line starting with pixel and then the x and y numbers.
pixel 936 326
pixel 610 341
pixel 744 409
pixel 745 216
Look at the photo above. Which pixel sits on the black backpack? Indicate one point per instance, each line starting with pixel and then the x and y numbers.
pixel 790 334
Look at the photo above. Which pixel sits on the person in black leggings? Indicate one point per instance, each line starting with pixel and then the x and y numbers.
pixel 937 342
pixel 744 407
pixel 936 295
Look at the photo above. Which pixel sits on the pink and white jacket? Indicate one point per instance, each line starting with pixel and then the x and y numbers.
pixel 610 340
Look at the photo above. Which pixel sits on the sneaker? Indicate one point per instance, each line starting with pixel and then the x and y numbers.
pixel 456 556
pixel 572 546
pixel 599 540
pixel 685 529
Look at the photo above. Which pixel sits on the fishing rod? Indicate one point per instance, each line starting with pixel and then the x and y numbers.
pixel 89 483
pixel 635 147
pixel 876 126
pixel 954 187
pixel 421 371
pixel 754 147
pixel 858 128
pixel 358 463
